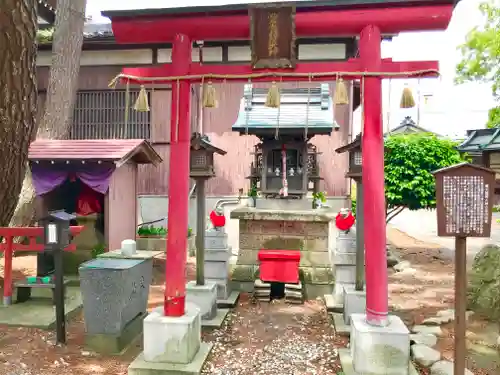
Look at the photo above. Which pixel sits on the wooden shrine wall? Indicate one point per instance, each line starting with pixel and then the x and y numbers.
pixel 233 167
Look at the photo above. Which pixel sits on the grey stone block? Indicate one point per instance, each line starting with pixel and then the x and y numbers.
pixel 216 270
pixel 114 292
pixel 217 255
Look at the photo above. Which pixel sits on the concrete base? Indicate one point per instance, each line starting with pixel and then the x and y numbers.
pixel 380 350
pixel 38 312
pixel 348 368
pixel 230 302
pixel 216 321
pixel 341 328
pixel 333 304
pixel 173 340
pixel 141 367
pixel 116 344
pixel 354 303
pixel 203 296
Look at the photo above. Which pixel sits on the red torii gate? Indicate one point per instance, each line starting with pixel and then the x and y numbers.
pixel 370 24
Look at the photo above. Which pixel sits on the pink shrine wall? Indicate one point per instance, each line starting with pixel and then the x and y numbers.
pixel 232 168
pixel 121 206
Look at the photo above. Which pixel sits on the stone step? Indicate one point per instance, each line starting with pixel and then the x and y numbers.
pixel 261 293
pixel 293 286
pixel 293 294
pixel 260 284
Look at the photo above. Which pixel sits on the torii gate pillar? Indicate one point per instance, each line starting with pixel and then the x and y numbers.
pixel 380 344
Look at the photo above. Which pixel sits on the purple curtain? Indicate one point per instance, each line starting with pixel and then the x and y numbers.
pixel 96 177
pixel 46 179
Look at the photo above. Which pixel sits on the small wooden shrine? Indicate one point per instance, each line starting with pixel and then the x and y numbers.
pixel 285 161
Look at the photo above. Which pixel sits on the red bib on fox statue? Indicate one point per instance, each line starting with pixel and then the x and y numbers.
pixel 344 220
pixel 217 218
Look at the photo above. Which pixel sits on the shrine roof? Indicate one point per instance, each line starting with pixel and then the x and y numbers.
pixel 119 151
pixel 201 6
pixel 481 140
pixel 294 112
pixel 47 10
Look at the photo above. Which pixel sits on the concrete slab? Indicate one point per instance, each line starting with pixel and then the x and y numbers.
pixel 140 367
pixel 341 328
pixel 230 302
pixel 347 366
pixel 217 321
pixel 332 305
pixel 39 312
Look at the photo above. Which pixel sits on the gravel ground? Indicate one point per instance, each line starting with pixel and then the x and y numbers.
pixel 257 338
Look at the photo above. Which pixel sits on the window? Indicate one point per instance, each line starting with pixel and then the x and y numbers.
pixel 101 115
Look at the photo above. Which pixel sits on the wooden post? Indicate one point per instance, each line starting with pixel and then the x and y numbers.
pixel 59 296
pixel 200 231
pixel 360 237
pixel 460 304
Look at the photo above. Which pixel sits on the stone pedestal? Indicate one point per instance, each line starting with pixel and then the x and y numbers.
pixel 354 303
pixel 344 263
pixel 308 231
pixel 380 350
pixel 115 291
pixel 203 296
pixel 172 345
pixel 217 254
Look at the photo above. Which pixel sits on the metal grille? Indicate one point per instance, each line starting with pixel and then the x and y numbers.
pixel 101 115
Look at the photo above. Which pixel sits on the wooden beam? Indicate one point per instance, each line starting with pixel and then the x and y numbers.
pixel 314 23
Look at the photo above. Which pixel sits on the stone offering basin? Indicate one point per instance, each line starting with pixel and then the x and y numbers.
pixel 114 292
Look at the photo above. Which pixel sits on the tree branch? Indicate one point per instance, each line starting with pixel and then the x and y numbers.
pixel 393 213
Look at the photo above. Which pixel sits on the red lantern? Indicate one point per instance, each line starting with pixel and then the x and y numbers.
pixel 344 221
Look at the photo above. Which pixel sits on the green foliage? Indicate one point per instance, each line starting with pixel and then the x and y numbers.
pixel 353 206
pixel 252 192
pixel 410 160
pixel 481 55
pixel 98 250
pixel 152 231
pixel 493 118
pixel 45 36
pixel 320 196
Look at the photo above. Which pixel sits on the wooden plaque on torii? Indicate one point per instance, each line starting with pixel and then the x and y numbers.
pixel 272 33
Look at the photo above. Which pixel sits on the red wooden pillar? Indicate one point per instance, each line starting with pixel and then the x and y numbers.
pixel 178 180
pixel 373 180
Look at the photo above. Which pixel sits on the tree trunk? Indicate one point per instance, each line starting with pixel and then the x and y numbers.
pixel 18 97
pixel 61 93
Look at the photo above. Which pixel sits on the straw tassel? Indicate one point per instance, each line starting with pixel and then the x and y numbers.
pixel 341 97
pixel 407 100
pixel 209 96
pixel 141 104
pixel 273 96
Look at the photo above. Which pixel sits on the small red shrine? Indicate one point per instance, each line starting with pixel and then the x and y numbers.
pixel 272 31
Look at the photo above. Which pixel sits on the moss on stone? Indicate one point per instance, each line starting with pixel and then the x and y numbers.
pixel 483 292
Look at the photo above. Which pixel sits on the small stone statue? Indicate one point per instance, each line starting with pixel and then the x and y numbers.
pixel 277 171
pixel 291 172
pixel 217 219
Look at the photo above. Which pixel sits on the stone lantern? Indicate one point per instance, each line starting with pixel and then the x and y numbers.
pixel 355 159
pixel 201 169
pixel 201 163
